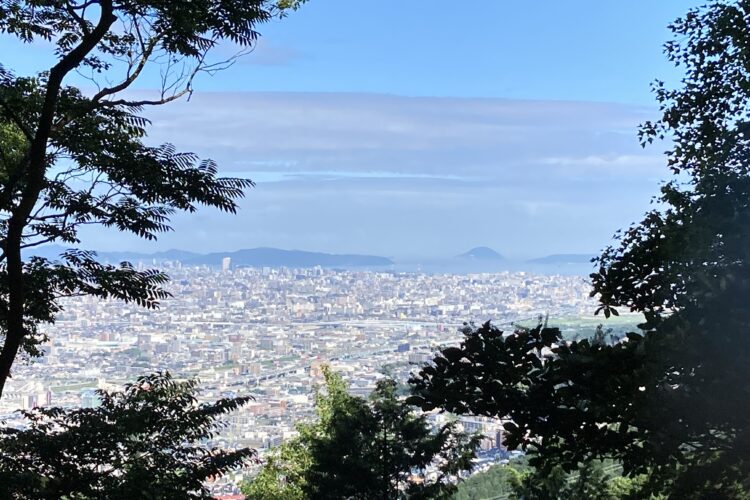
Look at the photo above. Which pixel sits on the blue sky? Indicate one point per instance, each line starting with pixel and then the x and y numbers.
pixel 425 127
pixel 572 50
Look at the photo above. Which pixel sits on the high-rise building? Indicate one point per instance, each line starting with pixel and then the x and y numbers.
pixel 28 401
pixel 44 397
pixel 226 263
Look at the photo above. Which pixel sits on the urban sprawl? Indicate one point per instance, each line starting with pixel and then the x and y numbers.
pixel 267 332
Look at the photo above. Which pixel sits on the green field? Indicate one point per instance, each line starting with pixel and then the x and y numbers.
pixel 74 387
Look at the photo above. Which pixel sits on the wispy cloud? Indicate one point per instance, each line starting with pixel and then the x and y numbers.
pixel 395 175
pixel 605 161
pixel 385 133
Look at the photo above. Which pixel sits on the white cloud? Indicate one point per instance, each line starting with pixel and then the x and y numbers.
pixel 361 132
pixel 400 175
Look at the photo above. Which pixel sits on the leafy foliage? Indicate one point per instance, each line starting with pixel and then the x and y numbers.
pixel 593 480
pixel 670 402
pixel 497 481
pixel 557 397
pixel 142 442
pixel 517 480
pixel 70 159
pixel 376 449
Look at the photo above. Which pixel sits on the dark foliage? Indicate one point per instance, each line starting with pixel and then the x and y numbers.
pixel 376 449
pixel 558 397
pixel 143 442
pixel 672 402
pixel 594 480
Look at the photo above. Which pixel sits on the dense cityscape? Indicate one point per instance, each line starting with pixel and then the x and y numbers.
pixel 318 169
pixel 268 331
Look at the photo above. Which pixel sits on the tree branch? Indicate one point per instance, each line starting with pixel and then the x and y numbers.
pixel 148 50
pixel 71 9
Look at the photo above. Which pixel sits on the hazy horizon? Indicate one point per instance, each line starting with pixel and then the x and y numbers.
pixel 411 176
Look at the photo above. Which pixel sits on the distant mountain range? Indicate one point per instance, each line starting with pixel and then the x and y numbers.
pixel 479 259
pixel 481 253
pixel 253 257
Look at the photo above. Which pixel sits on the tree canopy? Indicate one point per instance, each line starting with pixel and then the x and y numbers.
pixel 670 401
pixel 376 449
pixel 70 159
pixel 516 480
pixel 142 442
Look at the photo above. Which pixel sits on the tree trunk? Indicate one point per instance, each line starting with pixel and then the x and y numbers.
pixel 33 180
